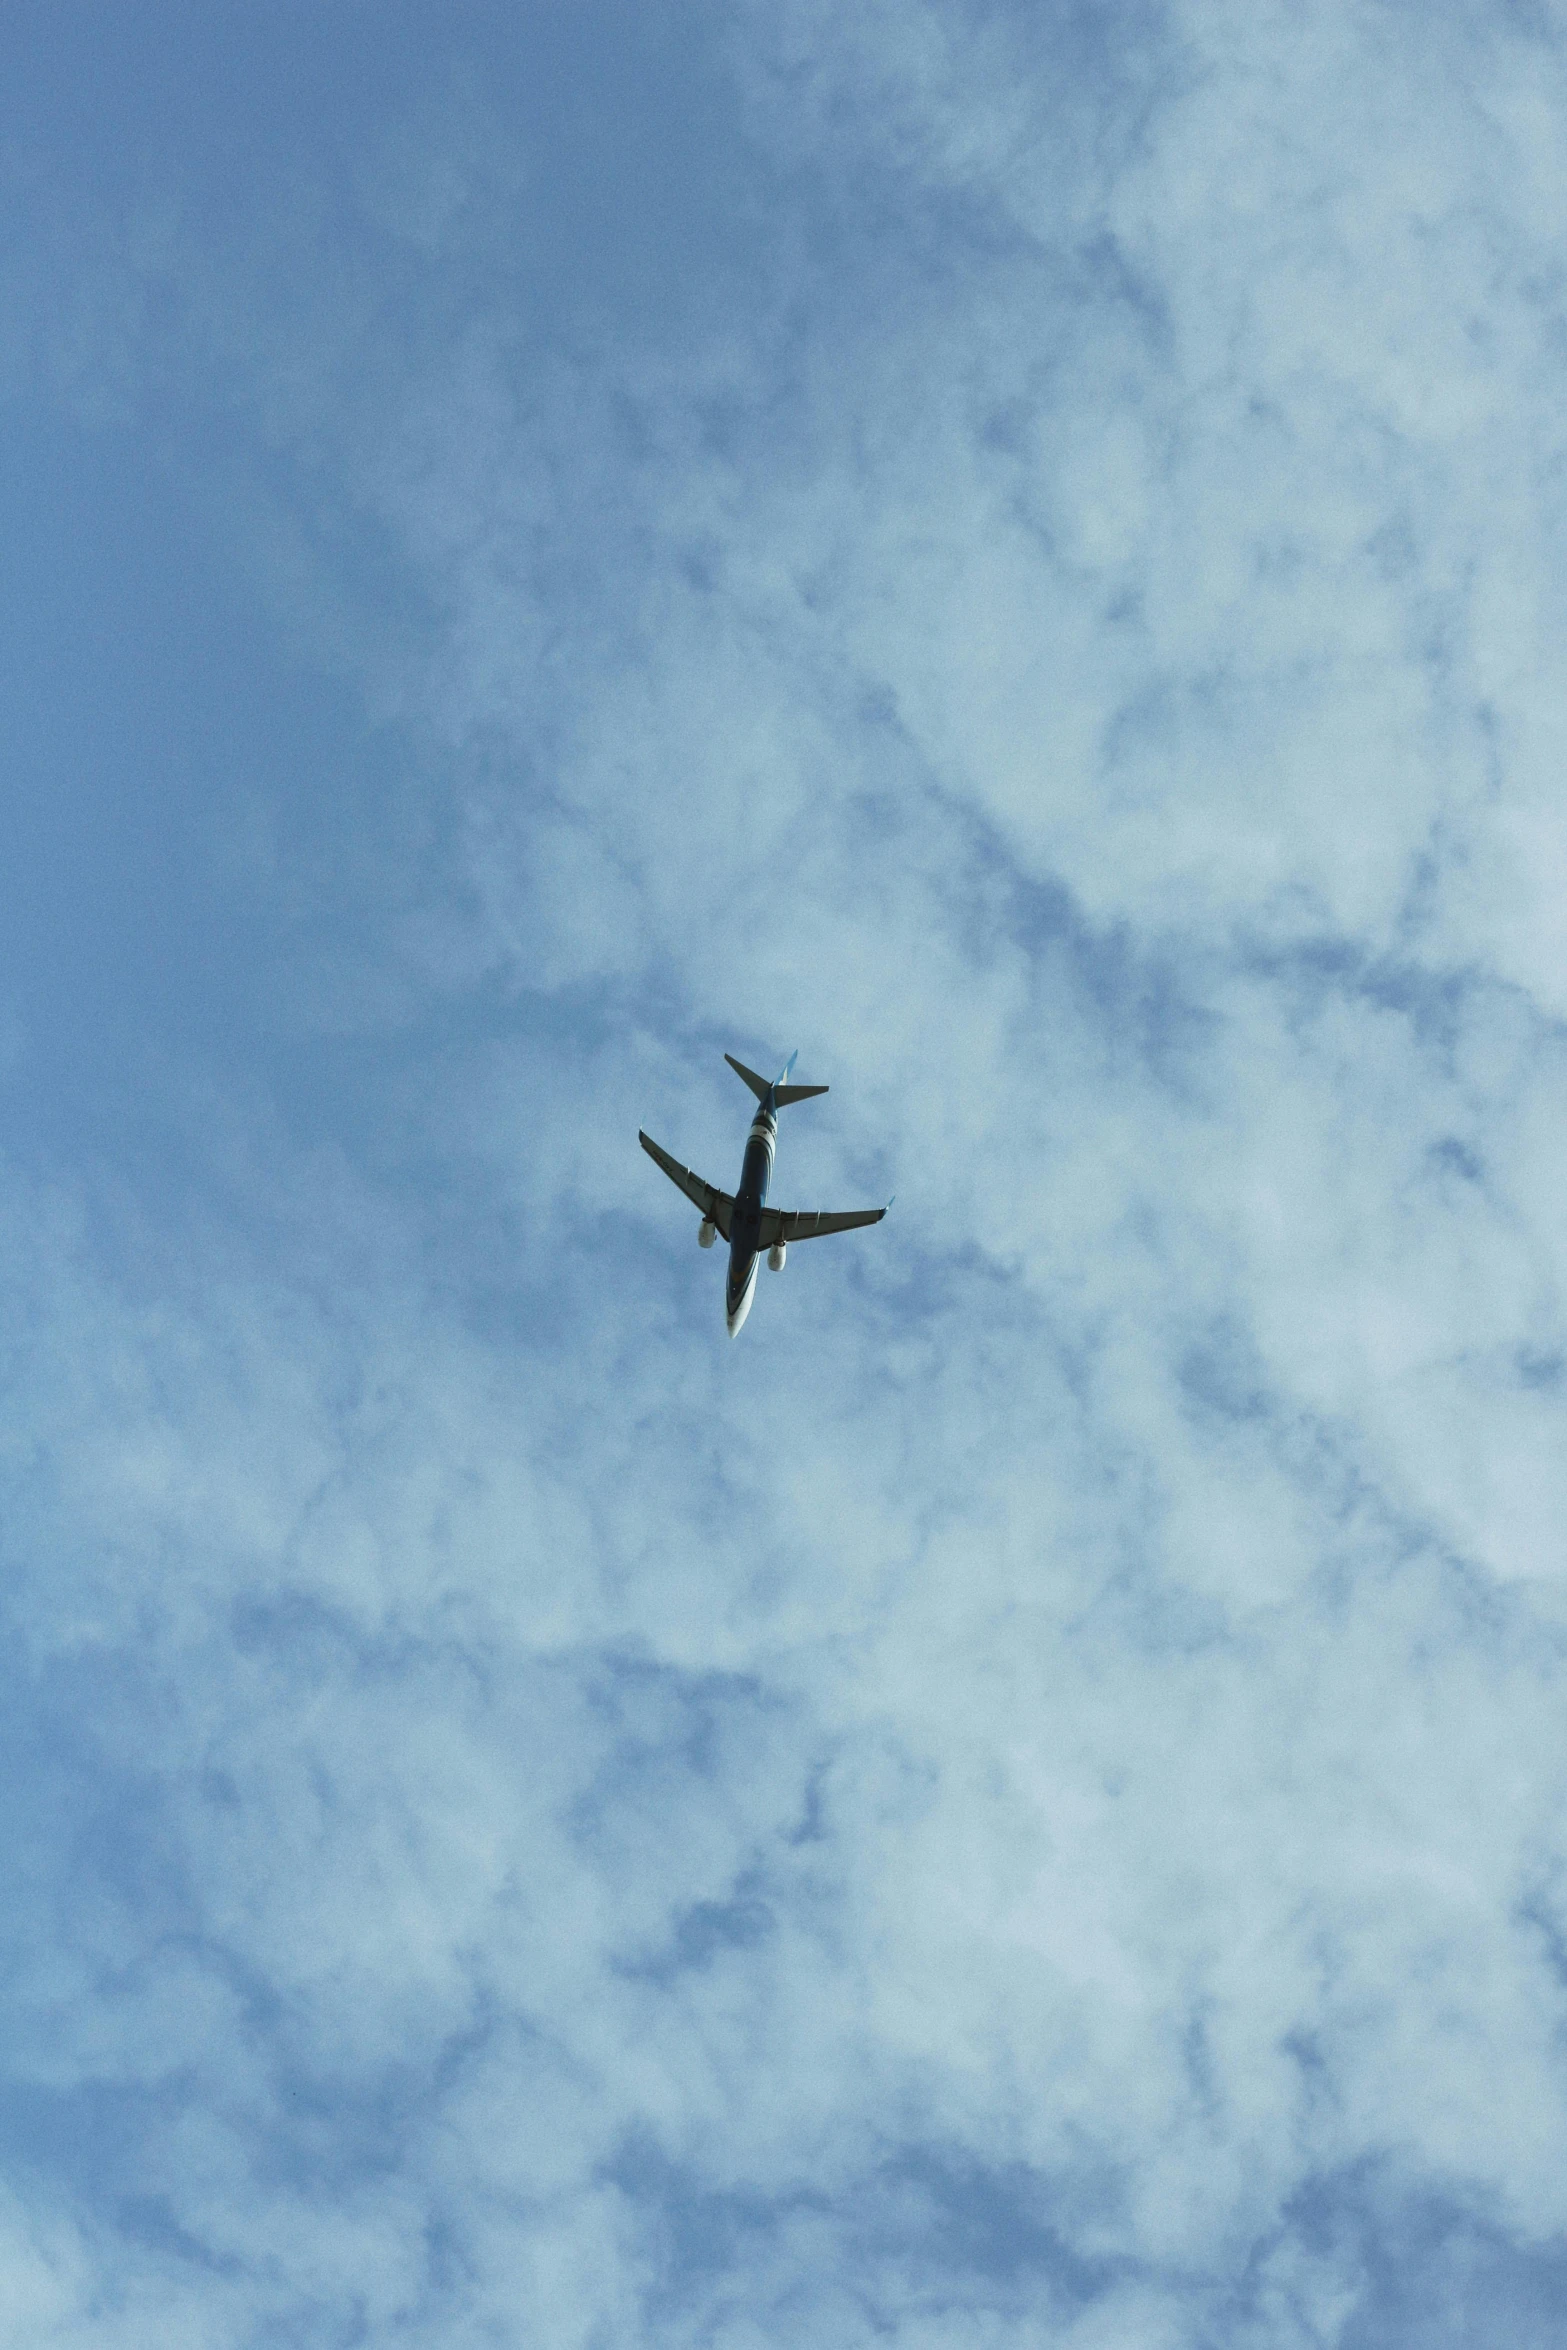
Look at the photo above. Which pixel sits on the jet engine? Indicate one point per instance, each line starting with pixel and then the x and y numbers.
pixel 708 1234
pixel 776 1255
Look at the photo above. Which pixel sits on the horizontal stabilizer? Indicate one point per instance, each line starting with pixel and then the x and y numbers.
pixel 782 1094
pixel 757 1084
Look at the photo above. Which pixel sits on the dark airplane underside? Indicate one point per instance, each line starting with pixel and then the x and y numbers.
pixel 742 1217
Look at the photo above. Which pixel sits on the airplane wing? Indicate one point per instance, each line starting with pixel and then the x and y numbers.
pixel 713 1203
pixel 791 1224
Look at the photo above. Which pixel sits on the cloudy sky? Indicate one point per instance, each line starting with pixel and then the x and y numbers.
pixel 1022 550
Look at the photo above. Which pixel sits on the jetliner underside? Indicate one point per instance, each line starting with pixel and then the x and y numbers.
pixel 744 1220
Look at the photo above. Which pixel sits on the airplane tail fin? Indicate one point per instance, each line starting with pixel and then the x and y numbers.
pixel 782 1094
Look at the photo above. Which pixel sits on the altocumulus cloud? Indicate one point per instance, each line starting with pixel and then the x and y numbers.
pixel 1021 551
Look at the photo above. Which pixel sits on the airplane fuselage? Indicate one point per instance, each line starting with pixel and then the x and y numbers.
pixel 756 1171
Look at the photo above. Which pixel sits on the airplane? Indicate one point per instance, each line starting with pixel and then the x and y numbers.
pixel 745 1220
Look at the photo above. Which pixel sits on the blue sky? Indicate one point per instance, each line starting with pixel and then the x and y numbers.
pixel 1021 552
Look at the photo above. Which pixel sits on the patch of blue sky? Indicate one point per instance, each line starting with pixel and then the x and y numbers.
pixel 1018 551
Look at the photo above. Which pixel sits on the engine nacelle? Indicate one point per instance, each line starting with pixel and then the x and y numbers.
pixel 708 1234
pixel 776 1256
